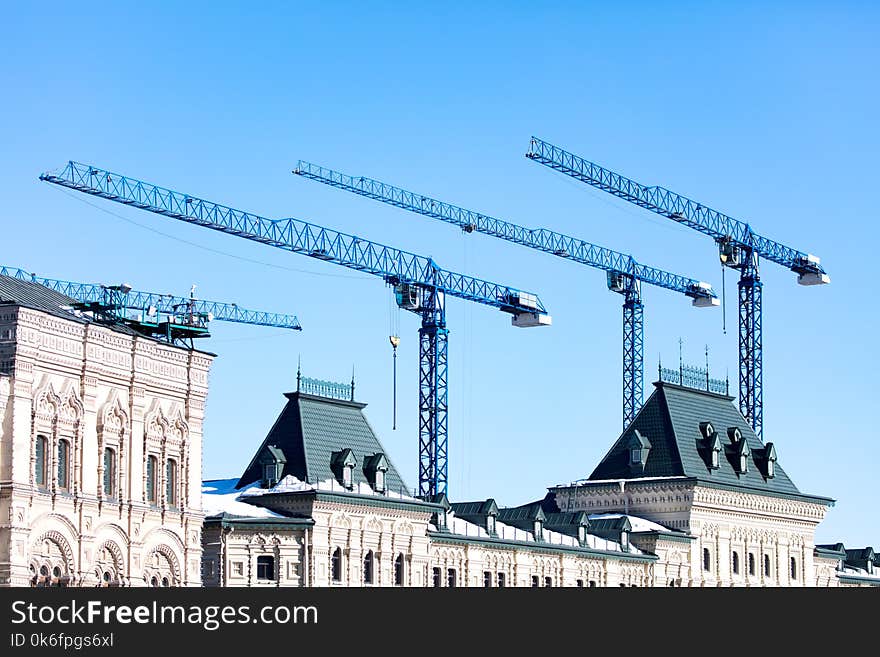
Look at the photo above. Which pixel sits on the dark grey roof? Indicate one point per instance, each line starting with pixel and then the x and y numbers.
pixel 38 297
pixel 475 511
pixel 610 528
pixel 311 429
pixel 671 420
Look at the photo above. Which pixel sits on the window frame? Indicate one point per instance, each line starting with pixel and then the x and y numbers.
pixel 369 567
pixel 707 560
pixel 41 462
pixel 336 566
pixel 172 483
pixel 151 483
pixel 109 473
pixel 751 560
pixel 264 560
pixel 63 443
pixel 398 569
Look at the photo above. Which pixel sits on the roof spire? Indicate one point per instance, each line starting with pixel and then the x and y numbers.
pixel 352 382
pixel 298 371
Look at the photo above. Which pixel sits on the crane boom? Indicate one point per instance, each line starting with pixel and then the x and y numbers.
pixel 420 285
pixel 739 247
pixel 625 275
pixel 166 303
pixel 557 244
pixel 679 208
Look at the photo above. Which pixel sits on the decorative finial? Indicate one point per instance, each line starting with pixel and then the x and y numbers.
pixel 680 362
pixel 298 371
pixel 352 382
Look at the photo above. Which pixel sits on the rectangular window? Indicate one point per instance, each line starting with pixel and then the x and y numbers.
pixel 767 565
pixel 793 568
pixel 63 464
pixel 592 583
pixel 40 461
pixel 151 480
pixel 548 581
pixel 437 578
pixel 535 582
pixel 109 472
pixel 266 567
pixel 736 563
pixel 171 482
pixel 451 576
pixel 502 580
pixel 707 559
pixel 487 579
pixel 580 583
pixel 751 564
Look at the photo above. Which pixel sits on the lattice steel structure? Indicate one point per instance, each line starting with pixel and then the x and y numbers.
pixel 738 245
pixel 420 284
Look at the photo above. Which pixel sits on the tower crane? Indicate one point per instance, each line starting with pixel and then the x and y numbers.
pixel 420 285
pixel 624 274
pixel 739 247
pixel 176 319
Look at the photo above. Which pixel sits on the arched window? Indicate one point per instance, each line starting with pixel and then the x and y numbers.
pixel 266 567
pixel 369 577
pixel 793 568
pixel 171 482
pixel 751 564
pixel 767 565
pixel 398 570
pixel 336 565
pixel 707 559
pixel 154 581
pixel 152 489
pixel 63 465
pixel 40 450
pixel 109 472
pixel 736 563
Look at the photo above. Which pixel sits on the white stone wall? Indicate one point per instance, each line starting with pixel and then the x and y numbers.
pixel 723 522
pixel 96 388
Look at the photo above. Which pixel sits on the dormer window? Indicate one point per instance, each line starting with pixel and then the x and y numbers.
pixel 272 461
pixel 342 463
pixel 638 447
pixel 490 524
pixel 375 469
pixel 742 454
pixel 707 429
pixel 380 481
pixel 538 529
pixel 734 434
pixel 770 458
pixel 714 458
pixel 582 534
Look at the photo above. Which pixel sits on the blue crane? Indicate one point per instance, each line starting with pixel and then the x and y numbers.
pixel 420 286
pixel 624 274
pixel 176 319
pixel 739 247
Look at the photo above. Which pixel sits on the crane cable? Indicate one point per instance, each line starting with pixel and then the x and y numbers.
pixel 394 339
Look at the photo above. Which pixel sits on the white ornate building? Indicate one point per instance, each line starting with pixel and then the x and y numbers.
pixel 687 496
pixel 100 448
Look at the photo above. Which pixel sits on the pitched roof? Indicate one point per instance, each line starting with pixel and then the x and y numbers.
pixel 671 420
pixel 311 430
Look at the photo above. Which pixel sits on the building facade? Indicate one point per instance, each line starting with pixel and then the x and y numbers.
pixel 100 448
pixel 687 496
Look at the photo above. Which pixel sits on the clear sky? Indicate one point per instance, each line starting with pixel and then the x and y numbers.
pixel 766 111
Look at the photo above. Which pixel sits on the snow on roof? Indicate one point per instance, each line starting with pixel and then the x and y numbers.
pixel 509 533
pixel 584 482
pixel 220 496
pixel 290 484
pixel 637 524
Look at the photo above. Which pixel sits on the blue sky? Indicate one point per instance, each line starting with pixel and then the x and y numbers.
pixel 768 114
